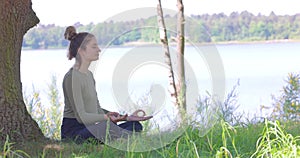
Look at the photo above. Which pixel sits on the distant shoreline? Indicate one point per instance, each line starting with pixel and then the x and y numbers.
pixel 217 43
pixel 134 44
pixel 260 42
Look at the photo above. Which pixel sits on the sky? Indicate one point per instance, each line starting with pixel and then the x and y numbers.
pixel 68 12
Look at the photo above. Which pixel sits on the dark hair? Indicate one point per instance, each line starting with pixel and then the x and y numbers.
pixel 77 40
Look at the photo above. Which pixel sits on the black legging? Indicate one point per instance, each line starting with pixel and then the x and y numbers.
pixel 72 129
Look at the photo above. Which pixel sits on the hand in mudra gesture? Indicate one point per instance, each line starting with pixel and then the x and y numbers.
pixel 116 117
pixel 138 115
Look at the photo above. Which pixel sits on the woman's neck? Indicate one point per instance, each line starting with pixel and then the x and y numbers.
pixel 82 67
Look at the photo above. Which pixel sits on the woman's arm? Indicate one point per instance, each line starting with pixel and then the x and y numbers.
pixel 73 88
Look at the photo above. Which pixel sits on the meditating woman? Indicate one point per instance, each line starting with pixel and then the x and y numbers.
pixel 83 118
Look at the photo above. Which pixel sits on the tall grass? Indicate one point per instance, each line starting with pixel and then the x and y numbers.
pixel 9 152
pixel 48 117
pixel 225 138
pixel 275 142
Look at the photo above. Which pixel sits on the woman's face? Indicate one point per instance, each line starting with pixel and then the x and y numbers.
pixel 91 52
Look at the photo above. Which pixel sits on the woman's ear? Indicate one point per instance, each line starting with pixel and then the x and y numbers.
pixel 80 51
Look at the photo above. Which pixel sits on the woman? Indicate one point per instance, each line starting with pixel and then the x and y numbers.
pixel 83 117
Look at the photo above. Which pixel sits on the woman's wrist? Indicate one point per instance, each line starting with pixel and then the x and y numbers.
pixel 106 117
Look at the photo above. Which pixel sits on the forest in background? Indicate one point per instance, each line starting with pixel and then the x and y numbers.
pixel 236 27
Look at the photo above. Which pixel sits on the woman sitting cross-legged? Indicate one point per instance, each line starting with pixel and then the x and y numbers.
pixel 83 117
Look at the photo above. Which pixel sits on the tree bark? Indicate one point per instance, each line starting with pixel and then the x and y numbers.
pixel 164 40
pixel 180 49
pixel 16 18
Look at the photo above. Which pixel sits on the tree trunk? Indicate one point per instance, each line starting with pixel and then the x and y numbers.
pixel 180 50
pixel 164 40
pixel 16 18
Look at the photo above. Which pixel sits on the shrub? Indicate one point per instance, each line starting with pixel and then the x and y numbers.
pixel 48 118
pixel 287 104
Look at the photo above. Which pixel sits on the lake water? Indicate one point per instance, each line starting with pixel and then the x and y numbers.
pixel 260 68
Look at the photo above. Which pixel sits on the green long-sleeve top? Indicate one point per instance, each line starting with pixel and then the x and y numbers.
pixel 81 101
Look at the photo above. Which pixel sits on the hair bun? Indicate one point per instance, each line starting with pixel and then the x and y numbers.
pixel 70 33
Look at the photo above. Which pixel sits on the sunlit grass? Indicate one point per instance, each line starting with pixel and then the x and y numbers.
pixel 275 142
pixel 225 139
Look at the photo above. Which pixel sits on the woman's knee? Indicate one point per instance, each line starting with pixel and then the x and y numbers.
pixel 132 126
pixel 138 126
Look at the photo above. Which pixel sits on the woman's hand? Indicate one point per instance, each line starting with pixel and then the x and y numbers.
pixel 138 115
pixel 116 117
pixel 138 118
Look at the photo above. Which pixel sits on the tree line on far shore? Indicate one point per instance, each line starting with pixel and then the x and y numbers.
pixel 242 27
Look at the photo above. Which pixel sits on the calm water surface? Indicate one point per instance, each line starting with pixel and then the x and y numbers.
pixel 260 68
